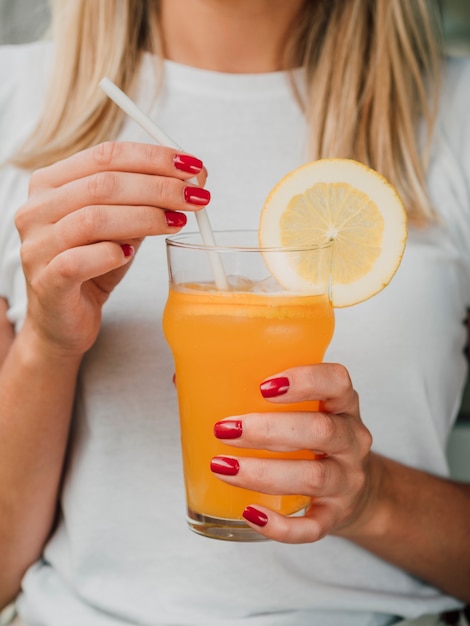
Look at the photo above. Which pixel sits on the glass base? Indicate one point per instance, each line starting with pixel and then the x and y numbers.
pixel 227 529
pixel 221 528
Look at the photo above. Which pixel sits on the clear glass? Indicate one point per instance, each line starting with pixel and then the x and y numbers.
pixel 224 344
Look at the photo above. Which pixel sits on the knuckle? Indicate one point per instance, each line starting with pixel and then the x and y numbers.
pixel 162 188
pixel 105 153
pixel 167 192
pixel 317 474
pixel 316 532
pixel 81 227
pixel 153 154
pixel 286 532
pixel 360 481
pixel 260 472
pixel 27 255
pixel 112 255
pixel 265 427
pixel 37 178
pixel 35 286
pixel 341 377
pixel 365 439
pixel 324 427
pixel 66 267
pixel 29 214
pixel 102 185
pixel 90 223
pixel 38 286
pixel 22 218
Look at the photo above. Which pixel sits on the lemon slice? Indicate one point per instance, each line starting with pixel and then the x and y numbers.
pixel 347 203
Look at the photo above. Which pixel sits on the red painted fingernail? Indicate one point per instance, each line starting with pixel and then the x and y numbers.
pixel 197 195
pixel 274 387
pixel 254 516
pixel 175 219
pixel 127 250
pixel 225 465
pixel 187 163
pixel 228 429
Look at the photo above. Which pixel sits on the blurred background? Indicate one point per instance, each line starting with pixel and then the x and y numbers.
pixel 27 20
pixel 23 20
pixel 456 15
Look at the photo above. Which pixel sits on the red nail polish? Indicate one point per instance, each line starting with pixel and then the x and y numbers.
pixel 228 429
pixel 175 219
pixel 187 163
pixel 127 250
pixel 254 516
pixel 197 195
pixel 225 465
pixel 274 387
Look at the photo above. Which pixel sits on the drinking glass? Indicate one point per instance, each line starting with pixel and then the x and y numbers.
pixel 225 342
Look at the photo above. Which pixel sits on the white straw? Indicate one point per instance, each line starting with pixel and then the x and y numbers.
pixel 129 106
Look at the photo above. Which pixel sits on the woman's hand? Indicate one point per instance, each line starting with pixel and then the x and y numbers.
pixel 84 219
pixel 340 479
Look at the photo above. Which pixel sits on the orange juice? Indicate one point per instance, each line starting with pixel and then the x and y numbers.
pixel 224 344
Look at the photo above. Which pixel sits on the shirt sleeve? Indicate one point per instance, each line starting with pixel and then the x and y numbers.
pixel 449 168
pixel 23 72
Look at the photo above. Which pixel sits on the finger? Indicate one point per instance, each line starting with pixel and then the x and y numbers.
pixel 315 478
pixel 77 265
pixel 119 157
pixel 315 525
pixel 114 223
pixel 285 432
pixel 329 383
pixel 110 188
pixel 94 224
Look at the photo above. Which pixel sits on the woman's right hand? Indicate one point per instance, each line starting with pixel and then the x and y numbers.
pixel 84 219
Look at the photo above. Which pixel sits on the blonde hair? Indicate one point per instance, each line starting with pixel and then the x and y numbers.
pixel 372 76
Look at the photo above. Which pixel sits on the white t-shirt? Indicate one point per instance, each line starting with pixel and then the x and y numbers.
pixel 122 553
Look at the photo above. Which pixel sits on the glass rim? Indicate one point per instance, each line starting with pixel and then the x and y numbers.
pixel 180 240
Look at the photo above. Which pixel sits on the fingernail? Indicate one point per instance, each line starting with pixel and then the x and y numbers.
pixel 254 516
pixel 187 163
pixel 127 250
pixel 274 387
pixel 197 195
pixel 228 429
pixel 225 465
pixel 175 219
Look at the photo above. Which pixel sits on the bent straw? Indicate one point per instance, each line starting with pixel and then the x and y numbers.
pixel 129 106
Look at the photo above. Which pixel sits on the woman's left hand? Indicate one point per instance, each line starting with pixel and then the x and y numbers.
pixel 342 478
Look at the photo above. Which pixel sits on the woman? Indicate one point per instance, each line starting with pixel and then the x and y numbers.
pixel 93 532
